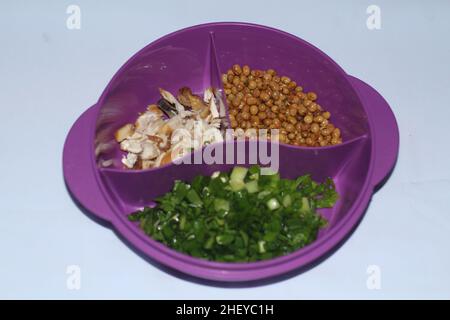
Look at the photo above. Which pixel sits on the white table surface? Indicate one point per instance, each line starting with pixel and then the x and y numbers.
pixel 49 75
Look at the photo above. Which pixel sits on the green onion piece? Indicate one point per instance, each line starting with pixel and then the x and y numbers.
pixel 194 198
pixel 224 239
pixel 305 205
pixel 182 222
pixel 209 243
pixel 215 174
pixel 238 174
pixel 237 185
pixel 262 194
pixel 252 186
pixel 273 204
pixel 287 200
pixel 261 246
pixel 221 204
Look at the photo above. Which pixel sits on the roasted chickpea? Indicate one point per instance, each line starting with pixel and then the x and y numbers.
pixel 302 110
pixel 264 96
pixel 308 119
pixel 262 115
pixel 285 80
pixel 246 70
pixel 267 76
pixel 325 132
pixel 336 133
pixel 293 110
pixel 275 95
pixel 318 119
pixel 254 120
pixel 251 100
pixel 237 69
pixel 236 101
pixel 292 120
pixel 315 128
pixel 274 86
pixel 312 107
pixel 294 99
pixel 245 115
pixel 289 127
pixel 254 109
pixel 312 96
pixel 335 141
pixel 277 123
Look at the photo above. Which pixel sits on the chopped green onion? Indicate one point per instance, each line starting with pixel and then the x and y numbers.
pixel 243 218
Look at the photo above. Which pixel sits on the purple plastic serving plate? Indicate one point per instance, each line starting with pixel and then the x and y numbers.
pixel 196 57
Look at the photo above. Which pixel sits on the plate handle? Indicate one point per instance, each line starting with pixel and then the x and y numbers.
pixel 78 169
pixel 385 128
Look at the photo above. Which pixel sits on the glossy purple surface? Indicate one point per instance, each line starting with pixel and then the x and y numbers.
pixel 196 57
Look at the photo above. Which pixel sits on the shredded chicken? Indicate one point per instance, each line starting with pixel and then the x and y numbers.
pixel 154 140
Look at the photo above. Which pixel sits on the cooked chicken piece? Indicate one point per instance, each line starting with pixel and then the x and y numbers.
pixel 155 140
pixel 208 95
pixel 136 136
pixel 212 135
pixel 169 97
pixel 204 112
pixel 180 150
pixel 154 127
pixel 163 159
pixel 148 119
pixel 149 150
pixel 180 134
pixel 132 146
pixel 188 99
pixel 213 108
pixel 130 160
pixel 146 164
pixel 167 158
pixel 162 142
pixel 155 110
pixel 124 132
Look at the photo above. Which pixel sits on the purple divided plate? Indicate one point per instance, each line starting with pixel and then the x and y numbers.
pixel 196 57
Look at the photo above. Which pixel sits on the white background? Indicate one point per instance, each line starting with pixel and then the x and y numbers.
pixel 49 75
